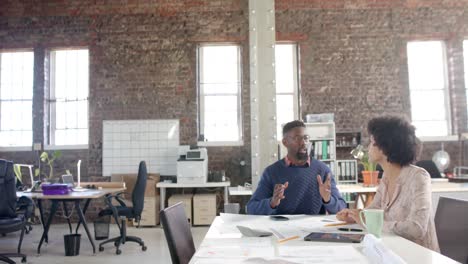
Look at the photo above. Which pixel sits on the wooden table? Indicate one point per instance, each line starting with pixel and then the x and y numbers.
pixel 76 198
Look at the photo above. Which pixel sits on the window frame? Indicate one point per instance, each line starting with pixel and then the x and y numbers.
pixel 51 106
pixel 445 89
pixel 20 148
pixel 201 96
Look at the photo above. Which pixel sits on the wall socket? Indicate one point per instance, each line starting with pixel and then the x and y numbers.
pixel 37 146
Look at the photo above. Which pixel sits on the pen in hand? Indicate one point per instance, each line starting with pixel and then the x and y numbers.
pixel 350 229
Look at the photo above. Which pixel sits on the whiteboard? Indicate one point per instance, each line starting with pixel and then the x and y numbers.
pixel 127 142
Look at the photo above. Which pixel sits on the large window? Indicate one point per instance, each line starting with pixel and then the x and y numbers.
pixel 219 86
pixel 16 92
pixel 428 88
pixel 287 99
pixel 69 97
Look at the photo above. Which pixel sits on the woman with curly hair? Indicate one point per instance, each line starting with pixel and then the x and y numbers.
pixel 404 192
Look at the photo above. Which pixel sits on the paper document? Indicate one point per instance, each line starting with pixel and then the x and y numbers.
pixel 234 252
pixel 377 252
pixel 323 254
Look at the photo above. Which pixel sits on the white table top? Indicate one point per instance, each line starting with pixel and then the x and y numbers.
pixel 85 194
pixel 192 185
pixel 224 234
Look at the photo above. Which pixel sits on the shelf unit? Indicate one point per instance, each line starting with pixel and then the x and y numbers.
pixel 348 139
pixel 346 172
pixel 323 142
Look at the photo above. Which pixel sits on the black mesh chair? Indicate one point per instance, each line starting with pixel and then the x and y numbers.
pixel 178 235
pixel 123 211
pixel 451 223
pixel 12 220
pixel 430 167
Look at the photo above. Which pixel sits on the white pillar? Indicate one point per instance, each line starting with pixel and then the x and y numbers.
pixel 262 86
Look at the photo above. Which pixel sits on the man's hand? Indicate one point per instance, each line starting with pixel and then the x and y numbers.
pixel 325 188
pixel 278 194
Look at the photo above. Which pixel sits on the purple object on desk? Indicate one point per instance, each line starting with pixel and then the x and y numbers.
pixel 55 189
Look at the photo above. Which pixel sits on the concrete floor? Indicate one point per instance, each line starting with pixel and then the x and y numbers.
pixel 54 252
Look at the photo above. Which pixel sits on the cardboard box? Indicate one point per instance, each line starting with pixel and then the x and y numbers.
pixel 130 181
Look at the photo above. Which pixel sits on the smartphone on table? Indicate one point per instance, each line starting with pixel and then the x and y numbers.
pixel 278 218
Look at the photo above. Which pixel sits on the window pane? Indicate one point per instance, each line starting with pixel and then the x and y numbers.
pixel 427 81
pixel 71 94
pixel 425 105
pixel 16 75
pixel 221 119
pixel 220 85
pixel 285 110
pixel 426 65
pixel 465 61
pixel 285 64
pixel 430 128
pixel 286 85
pixel 220 65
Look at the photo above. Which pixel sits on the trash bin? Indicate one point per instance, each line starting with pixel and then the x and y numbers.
pixel 231 208
pixel 72 244
pixel 101 227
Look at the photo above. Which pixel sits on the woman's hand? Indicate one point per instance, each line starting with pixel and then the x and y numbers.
pixel 346 215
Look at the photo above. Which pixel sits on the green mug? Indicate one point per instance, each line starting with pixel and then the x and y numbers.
pixel 374 219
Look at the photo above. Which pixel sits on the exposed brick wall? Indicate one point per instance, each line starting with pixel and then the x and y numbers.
pixel 142 64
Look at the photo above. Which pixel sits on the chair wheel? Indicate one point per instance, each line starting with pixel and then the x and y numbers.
pixel 118 252
pixel 101 249
pixel 144 248
pixel 23 260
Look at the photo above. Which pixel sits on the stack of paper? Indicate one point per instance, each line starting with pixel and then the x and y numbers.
pixel 376 251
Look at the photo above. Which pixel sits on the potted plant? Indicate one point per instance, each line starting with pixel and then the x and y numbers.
pixel 370 174
pixel 49 160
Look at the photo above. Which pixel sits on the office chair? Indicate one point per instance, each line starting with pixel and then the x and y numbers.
pixel 10 219
pixel 451 223
pixel 178 235
pixel 430 167
pixel 123 211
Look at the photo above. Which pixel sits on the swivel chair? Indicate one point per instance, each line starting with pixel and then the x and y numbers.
pixel 10 219
pixel 123 211
pixel 430 167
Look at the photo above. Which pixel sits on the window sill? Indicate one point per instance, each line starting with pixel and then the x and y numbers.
pixel 9 149
pixel 64 147
pixel 219 143
pixel 439 138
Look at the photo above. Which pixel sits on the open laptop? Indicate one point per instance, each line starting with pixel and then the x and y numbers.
pixel 68 180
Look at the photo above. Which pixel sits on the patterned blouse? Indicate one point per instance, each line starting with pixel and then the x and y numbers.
pixel 409 212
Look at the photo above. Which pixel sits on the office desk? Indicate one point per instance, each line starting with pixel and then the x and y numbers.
pixel 164 185
pixel 76 198
pixel 224 235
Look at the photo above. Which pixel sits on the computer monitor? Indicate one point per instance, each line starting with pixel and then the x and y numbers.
pixel 451 222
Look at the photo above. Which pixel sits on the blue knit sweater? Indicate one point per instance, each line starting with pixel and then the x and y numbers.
pixel 302 195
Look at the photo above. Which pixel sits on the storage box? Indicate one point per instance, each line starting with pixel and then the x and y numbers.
pixel 204 209
pixel 186 199
pixel 55 189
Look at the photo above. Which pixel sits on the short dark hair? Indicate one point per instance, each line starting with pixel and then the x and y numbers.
pixel 293 124
pixel 396 137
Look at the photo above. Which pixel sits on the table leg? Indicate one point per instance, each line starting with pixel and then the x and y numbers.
pixel 67 216
pixel 84 212
pixel 47 226
pixel 226 198
pixel 369 199
pixel 163 198
pixel 39 205
pixel 83 220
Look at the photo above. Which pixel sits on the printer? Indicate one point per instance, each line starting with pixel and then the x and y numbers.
pixel 193 166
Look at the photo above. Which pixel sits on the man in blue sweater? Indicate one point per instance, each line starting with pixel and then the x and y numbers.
pixel 296 184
